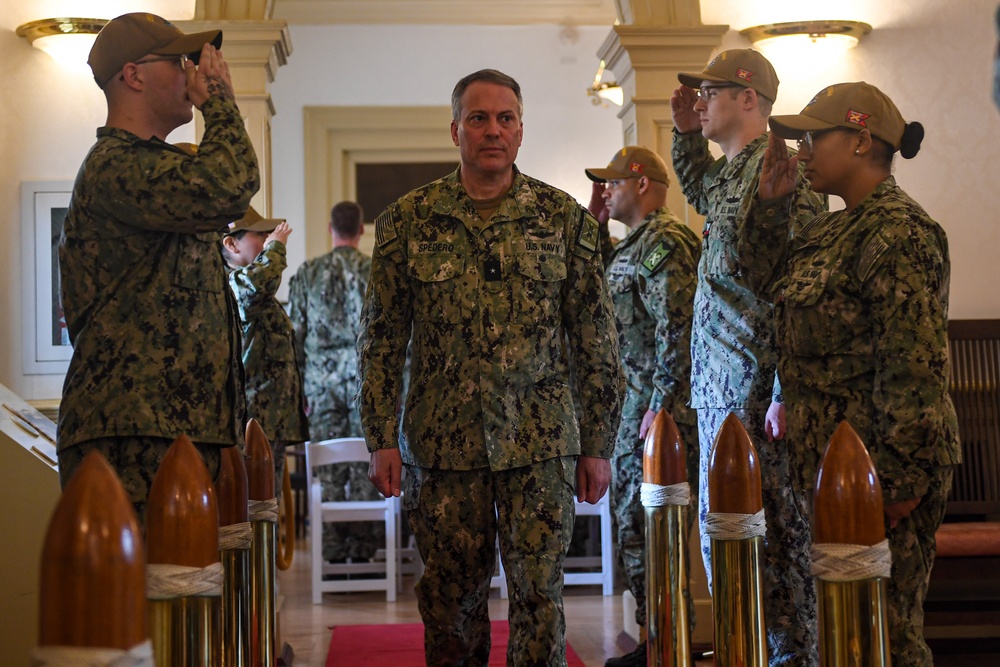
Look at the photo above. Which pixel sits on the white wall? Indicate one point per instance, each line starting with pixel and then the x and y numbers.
pixel 933 57
pixel 419 66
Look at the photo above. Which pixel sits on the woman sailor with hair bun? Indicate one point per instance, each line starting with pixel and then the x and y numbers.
pixel 861 321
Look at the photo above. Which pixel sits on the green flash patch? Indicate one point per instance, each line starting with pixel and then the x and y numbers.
pixel 656 257
pixel 588 236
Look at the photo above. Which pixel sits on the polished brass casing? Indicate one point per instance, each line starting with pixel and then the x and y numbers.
pixel 853 623
pixel 185 631
pixel 236 607
pixel 263 578
pixel 737 596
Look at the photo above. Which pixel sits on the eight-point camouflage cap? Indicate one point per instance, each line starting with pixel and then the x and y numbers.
pixel 744 67
pixel 632 162
pixel 252 221
pixel 132 36
pixel 855 105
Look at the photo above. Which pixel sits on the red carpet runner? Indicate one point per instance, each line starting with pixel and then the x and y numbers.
pixel 403 646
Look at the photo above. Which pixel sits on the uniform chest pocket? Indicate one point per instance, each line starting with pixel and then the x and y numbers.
pixel 536 286
pixel 198 263
pixel 438 287
pixel 805 304
pixel 620 289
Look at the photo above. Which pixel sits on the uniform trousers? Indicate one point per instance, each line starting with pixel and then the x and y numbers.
pixel 913 547
pixel 788 587
pixel 456 517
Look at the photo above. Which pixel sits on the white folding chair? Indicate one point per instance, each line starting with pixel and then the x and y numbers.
pixel 348 450
pixel 605 576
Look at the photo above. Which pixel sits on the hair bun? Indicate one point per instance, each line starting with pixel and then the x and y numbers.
pixel 913 134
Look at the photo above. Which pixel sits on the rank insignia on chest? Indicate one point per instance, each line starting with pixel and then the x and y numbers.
pixel 492 271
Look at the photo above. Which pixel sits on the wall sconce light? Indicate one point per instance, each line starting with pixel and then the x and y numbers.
pixel 602 92
pixel 844 33
pixel 67 40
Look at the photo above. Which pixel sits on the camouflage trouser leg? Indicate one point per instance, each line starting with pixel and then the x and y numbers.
pixel 913 549
pixel 135 459
pixel 457 517
pixel 789 589
pixel 629 515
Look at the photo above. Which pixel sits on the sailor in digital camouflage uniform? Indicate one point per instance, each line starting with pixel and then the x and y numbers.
pixel 498 276
pixel 254 249
pixel 652 274
pixel 325 298
pixel 861 317
pixel 732 350
pixel 156 340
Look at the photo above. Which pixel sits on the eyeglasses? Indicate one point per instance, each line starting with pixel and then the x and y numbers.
pixel 808 140
pixel 706 92
pixel 180 61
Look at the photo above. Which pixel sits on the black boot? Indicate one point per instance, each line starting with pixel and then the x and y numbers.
pixel 636 658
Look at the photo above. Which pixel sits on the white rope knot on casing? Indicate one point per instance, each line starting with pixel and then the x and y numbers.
pixel 724 526
pixel 264 510
pixel 235 536
pixel 851 562
pixel 165 581
pixel 140 655
pixel 656 495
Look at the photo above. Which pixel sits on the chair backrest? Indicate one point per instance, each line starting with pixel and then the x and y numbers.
pixel 974 347
pixel 337 450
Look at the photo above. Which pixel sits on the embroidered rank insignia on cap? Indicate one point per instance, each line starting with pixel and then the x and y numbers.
pixel 745 74
pixel 857 118
pixel 655 259
pixel 588 236
pixel 385 231
pixel 874 249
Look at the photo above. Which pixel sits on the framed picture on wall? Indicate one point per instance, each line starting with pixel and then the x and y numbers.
pixel 46 348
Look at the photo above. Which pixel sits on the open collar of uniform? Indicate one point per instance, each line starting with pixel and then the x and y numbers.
pixel 124 135
pixel 740 161
pixel 519 203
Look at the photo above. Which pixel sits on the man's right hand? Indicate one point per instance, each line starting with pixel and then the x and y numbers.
pixel 686 119
pixel 778 170
pixel 385 470
pixel 598 205
pixel 210 77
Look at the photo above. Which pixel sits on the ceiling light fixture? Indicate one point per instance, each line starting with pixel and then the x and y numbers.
pixel 846 33
pixel 67 40
pixel 602 92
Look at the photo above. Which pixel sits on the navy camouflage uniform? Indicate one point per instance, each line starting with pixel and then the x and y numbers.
pixel 861 320
pixel 733 359
pixel 325 299
pixel 652 274
pixel 489 437
pixel 156 340
pixel 273 387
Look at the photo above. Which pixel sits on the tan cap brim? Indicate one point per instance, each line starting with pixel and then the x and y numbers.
pixel 603 175
pixel 191 44
pixel 794 126
pixel 694 80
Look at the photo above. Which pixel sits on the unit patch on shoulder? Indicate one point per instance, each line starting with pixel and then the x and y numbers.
pixel 385 230
pixel 588 236
pixel 656 257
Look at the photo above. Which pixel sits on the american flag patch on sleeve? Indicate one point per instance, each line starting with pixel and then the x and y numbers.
pixel 385 230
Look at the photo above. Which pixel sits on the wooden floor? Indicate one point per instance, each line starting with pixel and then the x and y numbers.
pixel 594 622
